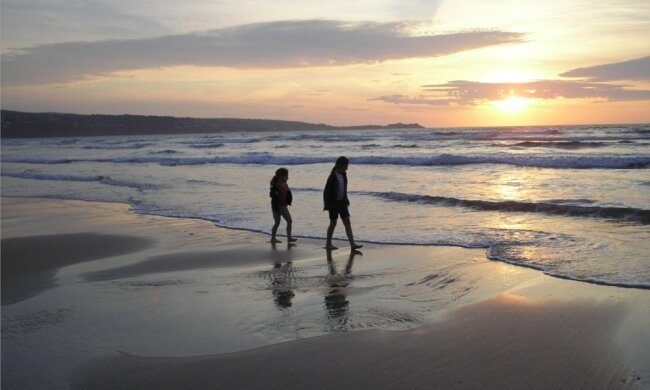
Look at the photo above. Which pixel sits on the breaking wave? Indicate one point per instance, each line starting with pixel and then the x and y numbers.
pixel 551 207
pixel 539 161
pixel 106 180
pixel 560 144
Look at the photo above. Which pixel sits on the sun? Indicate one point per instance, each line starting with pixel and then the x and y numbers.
pixel 512 104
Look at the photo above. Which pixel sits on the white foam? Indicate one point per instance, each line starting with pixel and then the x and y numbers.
pixel 539 161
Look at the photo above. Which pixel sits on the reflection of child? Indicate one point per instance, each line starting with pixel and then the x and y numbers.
pixel 281 285
pixel 280 200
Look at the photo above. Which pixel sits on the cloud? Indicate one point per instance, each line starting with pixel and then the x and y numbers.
pixel 283 44
pixel 637 69
pixel 29 22
pixel 466 93
pixel 422 99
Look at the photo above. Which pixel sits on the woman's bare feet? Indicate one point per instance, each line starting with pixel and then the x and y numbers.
pixel 331 247
pixel 291 239
pixel 356 246
pixel 275 241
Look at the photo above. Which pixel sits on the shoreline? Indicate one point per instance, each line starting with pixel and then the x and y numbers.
pixel 538 268
pixel 431 316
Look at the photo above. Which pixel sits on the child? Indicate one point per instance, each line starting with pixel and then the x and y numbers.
pixel 280 200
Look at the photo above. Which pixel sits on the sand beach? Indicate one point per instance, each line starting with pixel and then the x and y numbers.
pixel 491 158
pixel 95 296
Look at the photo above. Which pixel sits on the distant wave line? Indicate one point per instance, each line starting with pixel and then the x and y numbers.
pixel 559 144
pixel 539 161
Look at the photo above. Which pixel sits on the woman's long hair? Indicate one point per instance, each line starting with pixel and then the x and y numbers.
pixel 341 162
pixel 281 172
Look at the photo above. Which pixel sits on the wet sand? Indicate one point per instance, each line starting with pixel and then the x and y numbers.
pixel 505 342
pixel 47 254
pixel 94 296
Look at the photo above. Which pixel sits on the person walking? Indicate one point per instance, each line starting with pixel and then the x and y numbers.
pixel 281 199
pixel 336 202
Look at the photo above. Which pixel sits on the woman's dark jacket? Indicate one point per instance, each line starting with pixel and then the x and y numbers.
pixel 275 198
pixel 332 189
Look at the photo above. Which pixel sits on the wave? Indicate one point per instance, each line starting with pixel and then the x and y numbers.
pixel 250 158
pixel 559 144
pixel 502 135
pixel 106 180
pixel 498 244
pixel 539 161
pixel 494 247
pixel 206 145
pixel 166 151
pixel 322 137
pixel 493 253
pixel 571 201
pixel 643 129
pixel 29 174
pixel 117 146
pixel 532 133
pixel 45 161
pixel 123 183
pixel 219 140
pixel 618 213
pixel 406 146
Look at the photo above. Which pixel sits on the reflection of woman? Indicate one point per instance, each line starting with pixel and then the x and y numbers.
pixel 280 201
pixel 336 301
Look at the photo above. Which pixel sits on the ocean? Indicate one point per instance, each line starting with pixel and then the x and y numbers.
pixel 570 201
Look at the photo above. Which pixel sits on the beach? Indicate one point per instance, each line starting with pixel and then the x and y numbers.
pixel 97 296
pixel 339 195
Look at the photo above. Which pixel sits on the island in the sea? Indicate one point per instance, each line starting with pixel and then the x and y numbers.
pixel 16 124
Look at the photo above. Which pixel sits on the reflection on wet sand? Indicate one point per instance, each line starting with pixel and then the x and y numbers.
pixel 336 302
pixel 281 278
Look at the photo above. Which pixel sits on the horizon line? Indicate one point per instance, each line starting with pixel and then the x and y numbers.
pixel 337 126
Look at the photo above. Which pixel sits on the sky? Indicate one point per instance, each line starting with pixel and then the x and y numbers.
pixel 440 63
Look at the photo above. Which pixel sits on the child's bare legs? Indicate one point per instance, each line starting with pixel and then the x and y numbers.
pixel 287 217
pixel 348 231
pixel 330 233
pixel 274 229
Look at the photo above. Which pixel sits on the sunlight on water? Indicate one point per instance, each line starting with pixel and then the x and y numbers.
pixel 510 187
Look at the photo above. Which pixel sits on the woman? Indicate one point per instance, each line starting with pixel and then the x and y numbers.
pixel 335 198
pixel 280 201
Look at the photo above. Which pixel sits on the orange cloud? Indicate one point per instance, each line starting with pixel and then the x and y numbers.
pixel 286 44
pixel 472 93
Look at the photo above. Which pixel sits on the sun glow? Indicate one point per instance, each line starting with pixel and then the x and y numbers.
pixel 512 104
pixel 509 76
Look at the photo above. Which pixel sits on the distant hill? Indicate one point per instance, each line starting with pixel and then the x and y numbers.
pixel 17 124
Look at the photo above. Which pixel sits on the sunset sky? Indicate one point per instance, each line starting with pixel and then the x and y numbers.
pixel 439 63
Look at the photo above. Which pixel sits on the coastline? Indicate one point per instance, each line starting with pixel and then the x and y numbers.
pixel 456 319
pixel 18 124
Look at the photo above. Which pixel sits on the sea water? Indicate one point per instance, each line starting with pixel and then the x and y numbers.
pixel 570 201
